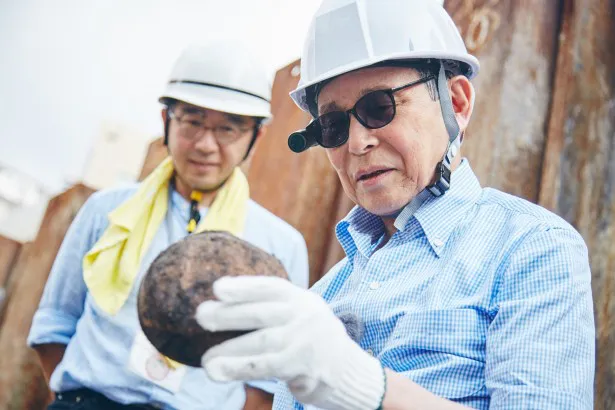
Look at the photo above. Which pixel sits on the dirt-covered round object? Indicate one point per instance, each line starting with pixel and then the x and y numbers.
pixel 181 277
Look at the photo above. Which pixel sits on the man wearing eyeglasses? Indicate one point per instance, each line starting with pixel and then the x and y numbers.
pixel 451 295
pixel 86 330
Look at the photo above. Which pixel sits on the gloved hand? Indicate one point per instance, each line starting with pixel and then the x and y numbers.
pixel 299 341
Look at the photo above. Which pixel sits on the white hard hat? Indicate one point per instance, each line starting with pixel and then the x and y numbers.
pixel 347 35
pixel 221 76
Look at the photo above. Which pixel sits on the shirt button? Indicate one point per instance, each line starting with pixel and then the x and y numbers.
pixel 370 351
pixel 374 285
pixel 438 242
pixel 453 150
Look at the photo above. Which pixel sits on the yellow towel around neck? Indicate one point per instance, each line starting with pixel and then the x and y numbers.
pixel 111 266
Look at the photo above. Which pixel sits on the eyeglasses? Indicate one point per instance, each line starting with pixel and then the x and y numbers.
pixel 192 127
pixel 374 110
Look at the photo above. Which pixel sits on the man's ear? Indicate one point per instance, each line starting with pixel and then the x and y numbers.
pixel 262 131
pixel 462 96
pixel 164 114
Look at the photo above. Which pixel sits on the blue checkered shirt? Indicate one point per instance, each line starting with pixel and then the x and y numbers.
pixel 480 297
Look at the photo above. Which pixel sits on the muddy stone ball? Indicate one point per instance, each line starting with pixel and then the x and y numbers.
pixel 181 277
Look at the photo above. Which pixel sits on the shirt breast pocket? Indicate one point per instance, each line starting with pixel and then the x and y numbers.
pixel 441 350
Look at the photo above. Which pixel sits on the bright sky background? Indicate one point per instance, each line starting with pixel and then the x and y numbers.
pixel 70 66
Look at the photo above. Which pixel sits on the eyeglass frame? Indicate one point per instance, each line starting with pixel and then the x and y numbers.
pixel 389 91
pixel 241 131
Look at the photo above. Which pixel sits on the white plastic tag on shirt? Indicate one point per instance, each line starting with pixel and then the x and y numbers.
pixel 148 363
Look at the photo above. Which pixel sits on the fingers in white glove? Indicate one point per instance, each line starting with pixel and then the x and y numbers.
pixel 300 341
pixel 258 342
pixel 259 366
pixel 218 316
pixel 241 289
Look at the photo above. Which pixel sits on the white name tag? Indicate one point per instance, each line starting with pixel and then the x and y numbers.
pixel 148 363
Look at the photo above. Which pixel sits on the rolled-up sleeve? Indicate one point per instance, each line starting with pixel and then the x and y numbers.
pixel 541 343
pixel 62 302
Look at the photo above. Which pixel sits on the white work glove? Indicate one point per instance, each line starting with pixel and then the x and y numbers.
pixel 300 341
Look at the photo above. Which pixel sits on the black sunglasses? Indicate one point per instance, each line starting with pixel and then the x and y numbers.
pixel 374 110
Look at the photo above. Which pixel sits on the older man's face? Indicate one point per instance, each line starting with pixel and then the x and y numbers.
pixel 383 169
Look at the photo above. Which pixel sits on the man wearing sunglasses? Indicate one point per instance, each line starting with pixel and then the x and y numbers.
pixel 86 330
pixel 450 295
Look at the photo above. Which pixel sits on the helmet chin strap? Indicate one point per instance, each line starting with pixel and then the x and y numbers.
pixel 444 167
pixel 257 127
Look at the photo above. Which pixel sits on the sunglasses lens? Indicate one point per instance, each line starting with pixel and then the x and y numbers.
pixel 333 129
pixel 376 109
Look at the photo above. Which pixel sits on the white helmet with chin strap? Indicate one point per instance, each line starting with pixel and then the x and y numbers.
pixel 222 76
pixel 347 35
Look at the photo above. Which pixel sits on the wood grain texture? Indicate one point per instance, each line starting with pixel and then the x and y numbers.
pixel 515 42
pixel 300 188
pixel 22 385
pixel 9 249
pixel 578 179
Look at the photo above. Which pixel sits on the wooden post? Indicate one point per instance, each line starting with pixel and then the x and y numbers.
pixel 515 41
pixel 578 178
pixel 301 188
pixel 9 249
pixel 22 385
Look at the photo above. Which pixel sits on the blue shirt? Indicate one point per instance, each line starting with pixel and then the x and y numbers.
pixel 98 344
pixel 480 297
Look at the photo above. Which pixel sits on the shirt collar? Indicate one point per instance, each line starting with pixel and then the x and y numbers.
pixel 437 216
pixel 359 230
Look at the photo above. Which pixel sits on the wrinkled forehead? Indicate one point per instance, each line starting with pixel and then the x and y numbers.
pixel 340 93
